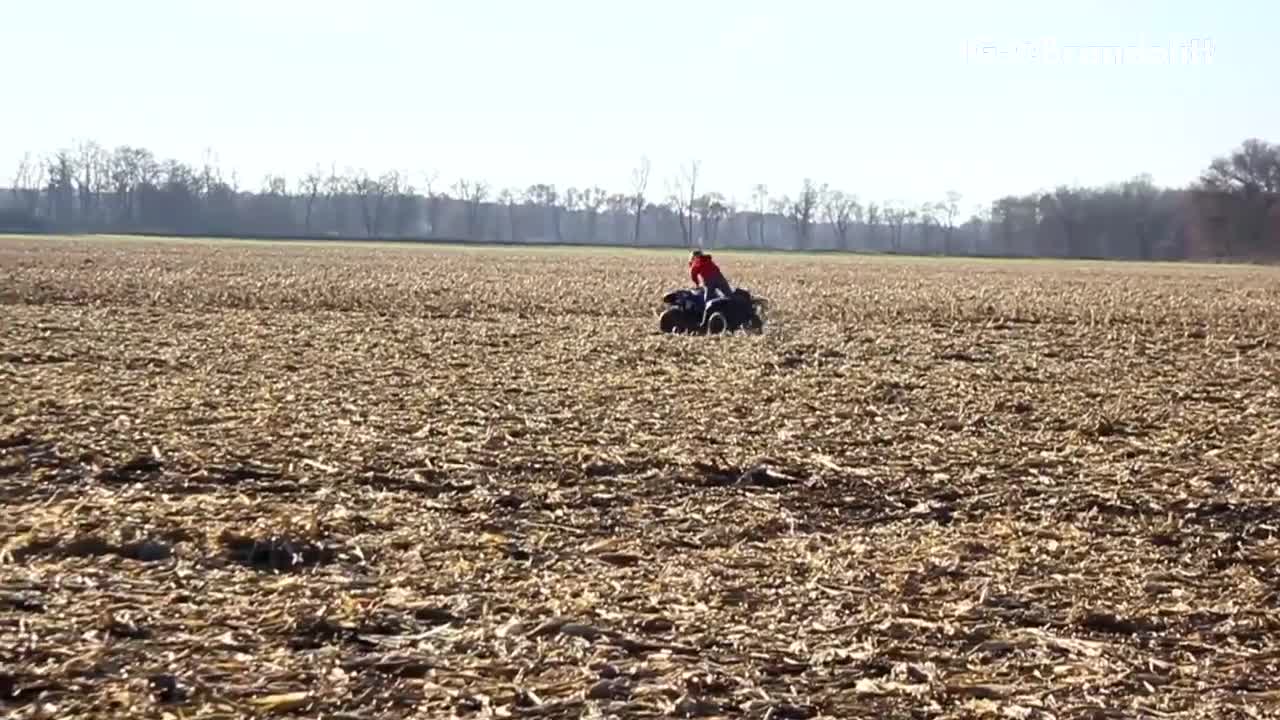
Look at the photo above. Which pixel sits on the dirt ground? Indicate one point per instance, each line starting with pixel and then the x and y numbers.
pixel 243 479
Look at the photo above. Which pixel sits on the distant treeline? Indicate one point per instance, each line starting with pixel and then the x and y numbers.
pixel 1231 211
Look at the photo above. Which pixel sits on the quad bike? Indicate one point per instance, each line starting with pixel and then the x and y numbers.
pixel 685 312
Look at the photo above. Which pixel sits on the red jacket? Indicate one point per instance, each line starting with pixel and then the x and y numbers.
pixel 703 267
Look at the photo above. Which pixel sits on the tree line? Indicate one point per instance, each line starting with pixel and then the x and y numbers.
pixel 1229 211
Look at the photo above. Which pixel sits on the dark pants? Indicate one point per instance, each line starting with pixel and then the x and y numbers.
pixel 710 286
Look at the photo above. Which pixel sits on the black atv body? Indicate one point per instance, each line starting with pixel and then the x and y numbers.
pixel 685 312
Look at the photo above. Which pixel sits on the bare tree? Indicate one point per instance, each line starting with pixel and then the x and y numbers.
pixel 711 209
pixel 802 212
pixel 947 211
pixel 1254 168
pixel 275 185
pixel 929 219
pixel 676 206
pixel 591 200
pixel 978 226
pixel 732 209
pixel 60 192
pixel 1139 196
pixel 176 203
pixel 338 187
pixel 508 199
pixel 545 196
pixel 392 184
pixel 1251 174
pixel 92 164
pixel 683 194
pixel 373 193
pixel 781 206
pixel 435 205
pixel 1019 219
pixel 309 189
pixel 838 210
pixel 125 178
pixel 896 217
pixel 208 183
pixel 405 208
pixel 473 193
pixel 760 206
pixel 570 205
pixel 217 196
pixel 1066 207
pixel 269 207
pixel 619 205
pixel 370 195
pixel 639 185
pixel 27 182
pixel 875 214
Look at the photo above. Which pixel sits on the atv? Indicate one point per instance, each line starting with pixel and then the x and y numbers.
pixel 685 312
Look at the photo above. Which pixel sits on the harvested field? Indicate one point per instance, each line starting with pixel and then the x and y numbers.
pixel 351 482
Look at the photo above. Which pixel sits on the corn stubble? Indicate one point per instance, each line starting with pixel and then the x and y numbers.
pixel 252 480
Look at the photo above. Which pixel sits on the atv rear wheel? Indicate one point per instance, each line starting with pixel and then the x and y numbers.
pixel 755 324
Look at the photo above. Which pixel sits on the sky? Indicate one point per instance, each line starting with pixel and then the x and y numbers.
pixel 891 101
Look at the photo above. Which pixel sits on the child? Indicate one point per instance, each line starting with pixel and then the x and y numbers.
pixel 705 273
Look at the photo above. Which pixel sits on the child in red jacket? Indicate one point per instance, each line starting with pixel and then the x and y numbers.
pixel 704 272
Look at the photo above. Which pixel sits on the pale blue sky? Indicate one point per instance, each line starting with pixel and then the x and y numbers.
pixel 875 98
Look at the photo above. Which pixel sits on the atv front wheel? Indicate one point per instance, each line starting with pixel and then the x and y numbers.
pixel 670 322
pixel 717 324
pixel 755 324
